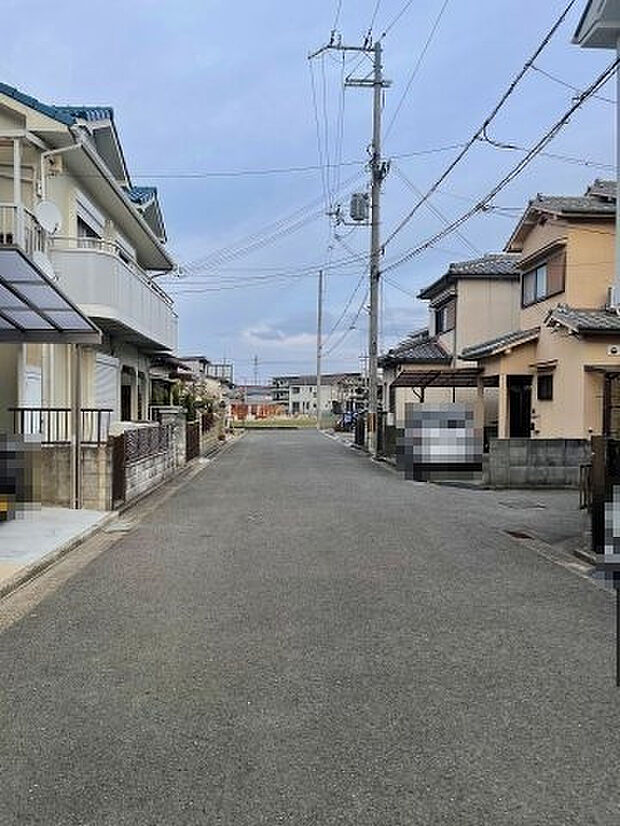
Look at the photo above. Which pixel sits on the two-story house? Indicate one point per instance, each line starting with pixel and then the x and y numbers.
pixel 339 392
pixel 473 295
pixel 67 201
pixel 557 370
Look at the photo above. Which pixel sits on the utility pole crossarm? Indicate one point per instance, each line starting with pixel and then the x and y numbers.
pixel 366 82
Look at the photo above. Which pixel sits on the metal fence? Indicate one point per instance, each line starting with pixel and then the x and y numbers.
pixel 145 442
pixel 54 425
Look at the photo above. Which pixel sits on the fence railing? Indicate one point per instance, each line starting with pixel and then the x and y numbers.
pixel 54 425
pixel 18 226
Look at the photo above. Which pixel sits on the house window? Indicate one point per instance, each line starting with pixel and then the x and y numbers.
pixel 294 389
pixel 545 387
pixel 543 281
pixel 445 317
pixel 87 237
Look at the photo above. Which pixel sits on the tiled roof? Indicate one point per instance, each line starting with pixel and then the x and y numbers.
pixel 584 321
pixel 602 189
pixel 65 114
pixel 141 195
pixel 598 200
pixel 574 205
pixel 419 348
pixel 496 345
pixel 90 113
pixel 493 265
pixel 51 111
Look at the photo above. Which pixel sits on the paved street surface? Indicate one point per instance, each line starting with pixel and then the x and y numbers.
pixel 299 636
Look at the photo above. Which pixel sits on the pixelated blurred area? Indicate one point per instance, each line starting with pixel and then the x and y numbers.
pixel 19 477
pixel 438 442
pixel 608 563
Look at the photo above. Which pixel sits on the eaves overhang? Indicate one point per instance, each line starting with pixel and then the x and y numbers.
pixel 151 252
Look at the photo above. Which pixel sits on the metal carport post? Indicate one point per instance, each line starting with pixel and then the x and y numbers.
pixel 34 309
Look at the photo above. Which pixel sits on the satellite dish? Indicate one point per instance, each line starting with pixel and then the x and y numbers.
pixel 44 264
pixel 48 215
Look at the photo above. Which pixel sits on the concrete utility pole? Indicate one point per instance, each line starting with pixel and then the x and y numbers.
pixel 378 171
pixel 255 369
pixel 377 174
pixel 319 348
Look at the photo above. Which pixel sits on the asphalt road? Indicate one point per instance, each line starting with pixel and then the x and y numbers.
pixel 300 636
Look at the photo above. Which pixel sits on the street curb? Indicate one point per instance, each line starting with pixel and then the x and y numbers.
pixel 24 575
pixel 35 569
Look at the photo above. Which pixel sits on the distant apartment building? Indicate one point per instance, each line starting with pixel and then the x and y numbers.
pixel 339 392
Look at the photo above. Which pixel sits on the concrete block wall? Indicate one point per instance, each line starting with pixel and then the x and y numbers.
pixel 55 476
pixel 535 463
pixel 145 474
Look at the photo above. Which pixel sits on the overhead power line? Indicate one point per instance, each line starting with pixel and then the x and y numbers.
pixel 567 85
pixel 395 19
pixel 433 209
pixel 514 172
pixel 417 66
pixel 488 120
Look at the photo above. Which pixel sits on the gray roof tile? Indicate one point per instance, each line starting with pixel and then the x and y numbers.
pixel 417 347
pixel 584 320
pixel 496 345
pixel 493 265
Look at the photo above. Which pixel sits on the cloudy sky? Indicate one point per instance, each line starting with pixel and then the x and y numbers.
pixel 214 104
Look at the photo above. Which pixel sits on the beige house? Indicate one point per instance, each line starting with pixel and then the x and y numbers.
pixel 67 201
pixel 474 295
pixel 557 370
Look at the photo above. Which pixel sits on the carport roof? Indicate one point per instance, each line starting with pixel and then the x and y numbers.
pixel 33 308
pixel 456 377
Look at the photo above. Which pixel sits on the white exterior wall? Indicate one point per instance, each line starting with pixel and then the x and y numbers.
pixel 98 281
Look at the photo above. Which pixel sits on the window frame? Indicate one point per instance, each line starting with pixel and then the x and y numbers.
pixel 546 378
pixel 441 311
pixel 543 266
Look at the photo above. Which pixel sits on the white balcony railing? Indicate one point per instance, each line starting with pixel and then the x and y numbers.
pixel 108 286
pixel 19 227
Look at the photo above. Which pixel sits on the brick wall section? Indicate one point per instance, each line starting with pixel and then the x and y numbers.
pixel 535 463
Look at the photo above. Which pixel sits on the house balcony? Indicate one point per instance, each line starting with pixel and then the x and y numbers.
pixel 19 227
pixel 114 291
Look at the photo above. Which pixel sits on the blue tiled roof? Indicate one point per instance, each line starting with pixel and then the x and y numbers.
pixel 51 111
pixel 65 114
pixel 91 113
pixel 141 194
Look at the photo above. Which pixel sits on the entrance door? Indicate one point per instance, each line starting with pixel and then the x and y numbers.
pixel 520 400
